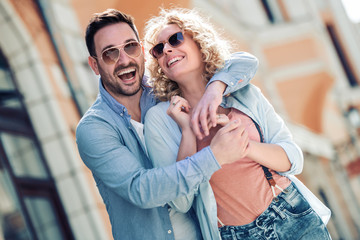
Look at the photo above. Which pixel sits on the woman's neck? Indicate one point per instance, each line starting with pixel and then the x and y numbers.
pixel 193 89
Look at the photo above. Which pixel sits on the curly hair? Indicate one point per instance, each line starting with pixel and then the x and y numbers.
pixel 213 48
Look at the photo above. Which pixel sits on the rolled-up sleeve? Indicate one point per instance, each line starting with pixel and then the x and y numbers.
pixel 277 132
pixel 237 72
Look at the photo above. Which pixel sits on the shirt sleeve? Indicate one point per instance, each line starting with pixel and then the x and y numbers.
pixel 237 72
pixel 276 132
pixel 121 168
pixel 163 137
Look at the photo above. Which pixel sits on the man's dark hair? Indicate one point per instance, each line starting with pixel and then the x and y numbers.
pixel 100 20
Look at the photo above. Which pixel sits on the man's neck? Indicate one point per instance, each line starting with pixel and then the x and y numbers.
pixel 132 104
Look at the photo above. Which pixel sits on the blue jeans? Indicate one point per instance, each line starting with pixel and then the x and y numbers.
pixel 291 217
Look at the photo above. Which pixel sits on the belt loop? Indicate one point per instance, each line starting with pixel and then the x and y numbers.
pixel 279 212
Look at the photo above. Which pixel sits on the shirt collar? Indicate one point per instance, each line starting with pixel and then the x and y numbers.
pixel 113 104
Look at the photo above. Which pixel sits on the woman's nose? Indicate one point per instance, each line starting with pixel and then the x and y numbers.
pixel 167 48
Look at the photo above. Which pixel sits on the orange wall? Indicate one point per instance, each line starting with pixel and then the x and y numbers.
pixel 291 52
pixel 304 98
pixel 141 10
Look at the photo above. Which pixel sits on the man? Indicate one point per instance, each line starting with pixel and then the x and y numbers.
pixel 110 138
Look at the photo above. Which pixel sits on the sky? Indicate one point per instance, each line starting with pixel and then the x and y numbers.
pixel 352 8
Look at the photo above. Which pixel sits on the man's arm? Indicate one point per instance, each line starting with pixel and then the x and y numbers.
pixel 103 151
pixel 237 73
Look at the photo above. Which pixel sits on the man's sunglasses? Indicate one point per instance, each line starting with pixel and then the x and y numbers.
pixel 111 55
pixel 174 40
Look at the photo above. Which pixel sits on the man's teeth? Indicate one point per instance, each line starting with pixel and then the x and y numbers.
pixel 174 60
pixel 125 71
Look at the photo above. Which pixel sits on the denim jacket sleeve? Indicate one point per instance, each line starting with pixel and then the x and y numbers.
pixel 278 133
pixel 272 125
pixel 162 137
pixel 117 166
pixel 237 72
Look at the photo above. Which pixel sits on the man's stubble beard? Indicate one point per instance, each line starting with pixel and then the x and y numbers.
pixel 113 84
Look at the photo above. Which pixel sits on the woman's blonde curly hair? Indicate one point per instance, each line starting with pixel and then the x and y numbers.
pixel 213 48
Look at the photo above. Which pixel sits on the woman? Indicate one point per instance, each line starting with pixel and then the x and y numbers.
pixel 251 198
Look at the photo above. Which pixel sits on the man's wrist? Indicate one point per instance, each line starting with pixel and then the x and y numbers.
pixel 218 85
pixel 206 161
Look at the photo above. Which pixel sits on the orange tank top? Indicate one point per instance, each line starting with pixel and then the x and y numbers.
pixel 241 190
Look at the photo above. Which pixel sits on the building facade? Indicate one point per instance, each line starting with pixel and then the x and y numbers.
pixel 309 57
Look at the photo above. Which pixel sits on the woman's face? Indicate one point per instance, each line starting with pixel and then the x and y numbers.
pixel 181 61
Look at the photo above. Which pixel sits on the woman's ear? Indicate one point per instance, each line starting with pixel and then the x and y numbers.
pixel 93 64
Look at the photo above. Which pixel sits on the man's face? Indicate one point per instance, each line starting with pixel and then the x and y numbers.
pixel 122 78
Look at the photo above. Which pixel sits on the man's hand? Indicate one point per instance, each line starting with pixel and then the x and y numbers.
pixel 230 143
pixel 207 107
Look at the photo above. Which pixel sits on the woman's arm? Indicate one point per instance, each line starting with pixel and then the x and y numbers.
pixel 178 110
pixel 163 138
pixel 280 148
pixel 269 155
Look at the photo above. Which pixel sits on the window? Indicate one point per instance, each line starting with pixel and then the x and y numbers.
pixel 342 56
pixel 30 207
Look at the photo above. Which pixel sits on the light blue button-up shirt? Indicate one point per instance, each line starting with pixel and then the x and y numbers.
pixel 163 137
pixel 135 193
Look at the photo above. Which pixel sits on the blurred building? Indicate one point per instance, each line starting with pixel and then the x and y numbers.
pixel 309 56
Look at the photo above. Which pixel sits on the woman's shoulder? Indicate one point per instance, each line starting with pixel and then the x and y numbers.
pixel 159 108
pixel 157 113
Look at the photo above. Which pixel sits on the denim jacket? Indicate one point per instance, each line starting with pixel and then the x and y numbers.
pixel 163 151
pixel 135 193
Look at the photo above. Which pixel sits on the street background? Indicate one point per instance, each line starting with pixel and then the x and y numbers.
pixel 309 55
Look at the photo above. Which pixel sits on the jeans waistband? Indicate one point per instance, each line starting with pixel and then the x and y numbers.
pixel 266 218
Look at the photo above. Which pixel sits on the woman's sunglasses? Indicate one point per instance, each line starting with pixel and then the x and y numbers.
pixel 111 55
pixel 174 40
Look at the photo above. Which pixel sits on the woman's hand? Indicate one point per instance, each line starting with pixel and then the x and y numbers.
pixel 178 110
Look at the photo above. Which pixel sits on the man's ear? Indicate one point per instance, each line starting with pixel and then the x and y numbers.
pixel 93 64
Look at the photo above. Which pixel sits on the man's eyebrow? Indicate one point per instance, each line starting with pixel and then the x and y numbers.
pixel 112 45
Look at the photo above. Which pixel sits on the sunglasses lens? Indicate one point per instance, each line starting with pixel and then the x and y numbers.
pixel 132 49
pixel 157 50
pixel 111 55
pixel 176 39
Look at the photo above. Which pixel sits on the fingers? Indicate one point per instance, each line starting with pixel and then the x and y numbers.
pixel 222 119
pixel 203 118
pixel 213 115
pixel 233 126
pixel 178 104
pixel 204 121
pixel 195 123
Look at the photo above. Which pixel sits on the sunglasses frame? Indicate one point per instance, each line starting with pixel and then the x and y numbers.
pixel 119 47
pixel 167 41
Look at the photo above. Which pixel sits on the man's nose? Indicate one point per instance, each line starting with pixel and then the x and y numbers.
pixel 123 58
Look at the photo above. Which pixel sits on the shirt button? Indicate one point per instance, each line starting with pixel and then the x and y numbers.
pixel 121 114
pixel 169 231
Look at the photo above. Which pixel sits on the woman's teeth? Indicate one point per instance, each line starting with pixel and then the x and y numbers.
pixel 173 60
